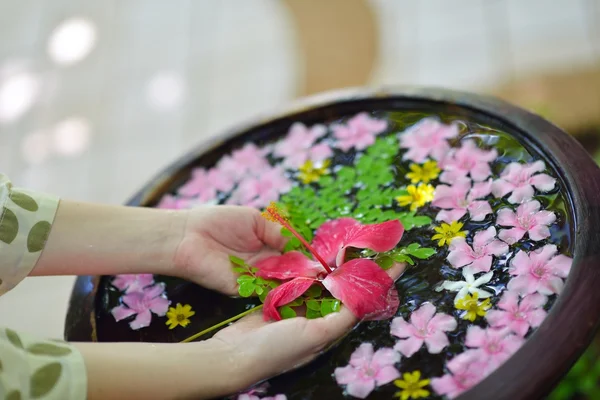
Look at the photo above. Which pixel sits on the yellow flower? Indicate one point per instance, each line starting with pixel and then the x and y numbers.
pixel 179 315
pixel 473 307
pixel 412 386
pixel 447 232
pixel 425 173
pixel 310 173
pixel 417 196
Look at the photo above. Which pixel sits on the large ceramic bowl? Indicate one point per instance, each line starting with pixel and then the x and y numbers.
pixel 514 146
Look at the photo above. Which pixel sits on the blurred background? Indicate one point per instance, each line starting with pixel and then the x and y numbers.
pixel 96 97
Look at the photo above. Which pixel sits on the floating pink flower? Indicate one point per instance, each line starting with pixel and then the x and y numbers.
pixel 467 160
pixel 461 197
pixel 142 303
pixel 132 282
pixel 518 317
pixel 520 179
pixel 528 219
pixel 494 346
pixel 298 146
pixel 428 138
pixel 425 327
pixel 255 393
pixel 250 159
pixel 368 370
pixel 466 371
pixel 204 184
pixel 359 132
pixel 258 191
pixel 539 271
pixel 360 284
pixel 478 257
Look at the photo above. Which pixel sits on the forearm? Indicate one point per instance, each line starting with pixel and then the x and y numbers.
pixel 160 371
pixel 103 240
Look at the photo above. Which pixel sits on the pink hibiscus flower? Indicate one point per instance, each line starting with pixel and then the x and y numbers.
pixel 359 132
pixel 368 370
pixel 204 184
pixel 428 138
pixel 360 284
pixel 466 371
pixel 459 198
pixel 250 159
pixel 518 317
pixel 425 327
pixel 142 303
pixel 132 282
pixel 260 190
pixel 477 257
pixel 520 179
pixel 528 219
pixel 255 393
pixel 467 160
pixel 539 271
pixel 493 345
pixel 298 146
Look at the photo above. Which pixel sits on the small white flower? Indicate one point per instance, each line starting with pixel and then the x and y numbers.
pixel 469 285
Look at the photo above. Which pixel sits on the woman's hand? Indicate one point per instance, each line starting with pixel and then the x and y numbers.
pixel 213 233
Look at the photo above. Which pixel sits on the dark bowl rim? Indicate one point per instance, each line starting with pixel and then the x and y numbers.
pixel 578 305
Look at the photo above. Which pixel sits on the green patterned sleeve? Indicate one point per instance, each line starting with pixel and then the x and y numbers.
pixel 25 221
pixel 31 368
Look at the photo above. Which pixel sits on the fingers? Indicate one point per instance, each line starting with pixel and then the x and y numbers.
pixel 270 234
pixel 396 270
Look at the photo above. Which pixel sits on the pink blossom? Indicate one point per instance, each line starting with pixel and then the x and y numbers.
pixel 359 132
pixel 467 160
pixel 493 345
pixel 132 282
pixel 142 303
pixel 477 257
pixel 250 159
pixel 256 392
pixel 298 145
pixel 424 327
pixel 520 179
pixel 428 138
pixel 459 198
pixel 528 219
pixel 518 317
pixel 260 190
pixel 539 271
pixel 368 370
pixel 466 371
pixel 204 184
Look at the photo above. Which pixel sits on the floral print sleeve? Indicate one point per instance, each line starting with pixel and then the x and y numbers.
pixel 31 368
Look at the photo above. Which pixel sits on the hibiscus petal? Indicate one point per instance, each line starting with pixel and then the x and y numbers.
pixel 451 215
pixel 378 237
pixel 122 312
pixel 154 291
pixel 442 322
pixel 506 217
pixel 544 217
pixel 484 236
pixel 509 301
pixel 501 187
pixel 386 374
pixel 421 316
pixel 460 257
pixel 363 287
pixel 401 328
pixel 121 282
pixel 436 342
pixel 385 357
pixel 511 236
pixel 533 301
pixel 521 194
pixel 552 285
pixel 293 264
pixel 409 346
pixel 523 284
pixel 142 320
pixel 536 317
pixel 480 171
pixel 159 306
pixel 519 327
pixel 561 265
pixel 528 208
pixel 482 264
pixel 520 264
pixel 497 318
pixel 134 300
pixel 360 388
pixel 345 375
pixel 539 232
pixel 478 210
pixel 284 294
pixel 476 337
pixel 446 385
pixel 362 356
pixel 497 248
pixel 330 238
pixel 543 182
